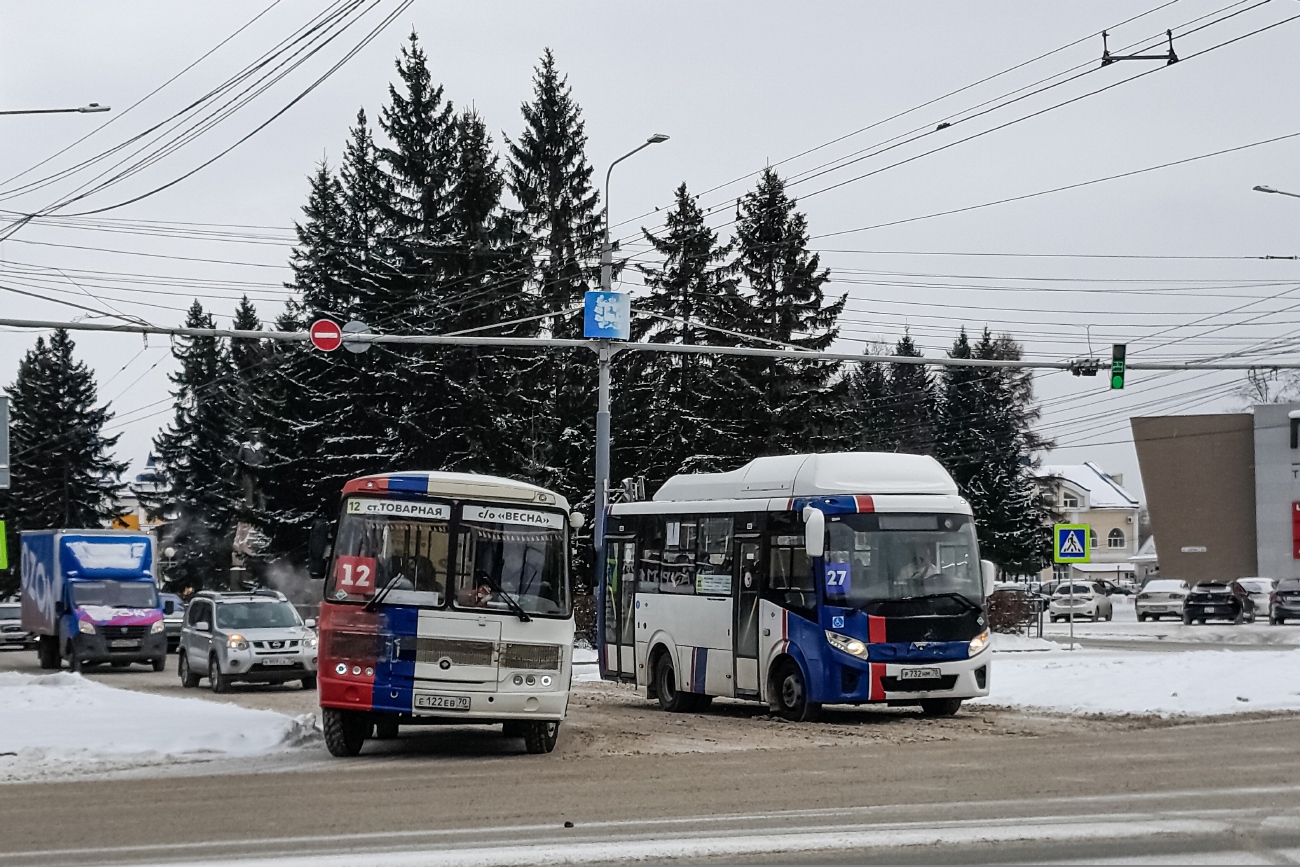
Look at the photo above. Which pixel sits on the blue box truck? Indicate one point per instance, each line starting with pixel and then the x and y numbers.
pixel 89 596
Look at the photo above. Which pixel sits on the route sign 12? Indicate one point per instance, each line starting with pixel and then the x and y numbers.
pixel 1071 543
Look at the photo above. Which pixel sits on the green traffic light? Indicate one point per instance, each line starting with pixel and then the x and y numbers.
pixel 1117 380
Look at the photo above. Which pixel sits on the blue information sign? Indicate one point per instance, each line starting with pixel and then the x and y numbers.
pixel 608 316
pixel 838 577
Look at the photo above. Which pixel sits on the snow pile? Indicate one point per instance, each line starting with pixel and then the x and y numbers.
pixel 63 723
pixel 1010 642
pixel 1187 683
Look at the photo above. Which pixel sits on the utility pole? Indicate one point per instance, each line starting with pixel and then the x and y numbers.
pixel 605 352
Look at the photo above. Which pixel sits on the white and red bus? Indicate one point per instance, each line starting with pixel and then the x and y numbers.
pixel 447 598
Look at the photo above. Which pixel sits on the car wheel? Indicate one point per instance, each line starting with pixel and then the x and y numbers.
pixel 540 736
pixel 671 698
pixel 792 694
pixel 74 662
pixel 309 682
pixel 1142 618
pixel 1187 619
pixel 189 679
pixel 216 680
pixel 345 731
pixel 940 706
pixel 47 651
pixel 160 664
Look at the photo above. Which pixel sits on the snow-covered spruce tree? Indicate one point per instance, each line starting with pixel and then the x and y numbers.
pixel 911 403
pixel 417 166
pixel 549 176
pixel 785 405
pixel 1010 511
pixel 671 415
pixel 868 417
pixel 62 473
pixel 196 455
pixel 961 440
pixel 487 268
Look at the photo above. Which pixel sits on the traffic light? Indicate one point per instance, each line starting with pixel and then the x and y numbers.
pixel 1117 353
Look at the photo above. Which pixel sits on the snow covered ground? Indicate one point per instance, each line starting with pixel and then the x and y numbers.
pixel 1172 683
pixel 1125 627
pixel 62 724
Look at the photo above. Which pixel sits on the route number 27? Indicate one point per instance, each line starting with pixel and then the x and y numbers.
pixel 837 578
pixel 356 575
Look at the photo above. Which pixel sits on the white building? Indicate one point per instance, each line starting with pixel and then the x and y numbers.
pixel 1086 494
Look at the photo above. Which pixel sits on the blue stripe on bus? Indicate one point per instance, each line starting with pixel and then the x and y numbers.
pixel 701 669
pixel 828 505
pixel 415 484
pixel 395 670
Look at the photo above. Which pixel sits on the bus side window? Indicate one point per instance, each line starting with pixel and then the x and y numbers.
pixel 677 572
pixel 652 552
pixel 713 557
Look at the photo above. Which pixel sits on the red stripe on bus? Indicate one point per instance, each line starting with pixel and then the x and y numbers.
pixel 875 629
pixel 877 686
pixel 366 485
pixel 865 504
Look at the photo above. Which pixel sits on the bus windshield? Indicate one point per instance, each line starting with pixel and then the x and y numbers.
pixel 391 542
pixel 871 557
pixel 515 553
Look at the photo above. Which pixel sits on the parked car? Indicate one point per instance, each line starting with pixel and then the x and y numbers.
pixel 1080 599
pixel 11 626
pixel 1284 602
pixel 254 637
pixel 1218 600
pixel 173 617
pixel 1260 589
pixel 1161 597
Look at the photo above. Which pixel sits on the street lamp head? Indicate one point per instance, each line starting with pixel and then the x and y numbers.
pixel 656 138
pixel 1260 188
pixel 93 108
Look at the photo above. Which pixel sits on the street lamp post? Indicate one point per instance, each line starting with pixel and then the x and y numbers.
pixel 604 353
pixel 1263 189
pixel 93 108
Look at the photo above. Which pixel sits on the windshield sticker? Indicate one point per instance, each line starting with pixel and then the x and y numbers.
pixel 498 515
pixel 837 579
pixel 355 574
pixel 402 508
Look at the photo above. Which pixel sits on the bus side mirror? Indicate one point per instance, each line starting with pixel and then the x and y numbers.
pixel 318 549
pixel 989 573
pixel 814 531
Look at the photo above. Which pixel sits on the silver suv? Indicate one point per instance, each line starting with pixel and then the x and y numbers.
pixel 254 637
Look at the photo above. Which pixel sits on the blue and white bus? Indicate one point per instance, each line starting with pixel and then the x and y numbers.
pixel 798 581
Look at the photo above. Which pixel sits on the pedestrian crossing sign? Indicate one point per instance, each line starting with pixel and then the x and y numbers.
pixel 1071 543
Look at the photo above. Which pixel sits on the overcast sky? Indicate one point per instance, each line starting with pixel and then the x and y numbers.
pixel 737 86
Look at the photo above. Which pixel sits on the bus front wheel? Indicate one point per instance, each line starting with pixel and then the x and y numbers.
pixel 345 731
pixel 792 694
pixel 540 735
pixel 940 706
pixel 670 697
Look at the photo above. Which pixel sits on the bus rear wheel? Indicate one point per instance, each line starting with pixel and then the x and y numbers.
pixel 345 731
pixel 792 694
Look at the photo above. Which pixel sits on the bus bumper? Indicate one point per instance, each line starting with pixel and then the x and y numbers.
pixel 890 682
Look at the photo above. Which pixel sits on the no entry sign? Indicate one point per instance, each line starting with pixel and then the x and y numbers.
pixel 326 335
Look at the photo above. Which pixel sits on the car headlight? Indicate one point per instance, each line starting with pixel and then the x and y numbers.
pixel 236 642
pixel 85 627
pixel 851 646
pixel 978 643
pixel 309 643
pixel 158 626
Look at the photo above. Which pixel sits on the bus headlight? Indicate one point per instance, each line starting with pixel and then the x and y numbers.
pixel 86 627
pixel 978 643
pixel 851 646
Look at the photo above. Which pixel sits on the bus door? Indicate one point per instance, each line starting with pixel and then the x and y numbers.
pixel 748 583
pixel 618 648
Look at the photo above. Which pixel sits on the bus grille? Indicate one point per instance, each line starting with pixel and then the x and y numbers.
pixel 544 657
pixel 352 645
pixel 460 652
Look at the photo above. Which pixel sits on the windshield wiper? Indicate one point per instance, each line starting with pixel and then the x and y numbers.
pixel 510 600
pixel 949 595
pixel 383 591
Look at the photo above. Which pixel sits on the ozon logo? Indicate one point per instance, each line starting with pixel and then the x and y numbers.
pixel 40 587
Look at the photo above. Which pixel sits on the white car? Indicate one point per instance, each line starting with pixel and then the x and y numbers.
pixel 1080 599
pixel 1161 597
pixel 1260 590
